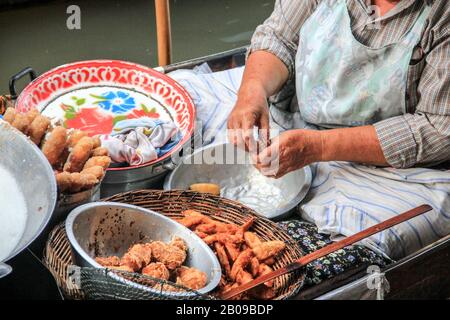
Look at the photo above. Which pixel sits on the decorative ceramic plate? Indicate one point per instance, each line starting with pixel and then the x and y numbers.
pixel 94 95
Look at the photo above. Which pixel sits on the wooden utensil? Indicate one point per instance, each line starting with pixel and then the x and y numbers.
pixel 328 249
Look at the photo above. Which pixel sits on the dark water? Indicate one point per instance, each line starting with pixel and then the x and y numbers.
pixel 37 35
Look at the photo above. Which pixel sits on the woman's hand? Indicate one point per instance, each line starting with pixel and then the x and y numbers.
pixel 251 110
pixel 290 151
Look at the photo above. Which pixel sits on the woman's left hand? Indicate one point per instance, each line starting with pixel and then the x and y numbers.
pixel 288 152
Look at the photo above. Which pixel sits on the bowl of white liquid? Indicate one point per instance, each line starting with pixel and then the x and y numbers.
pixel 233 171
pixel 27 193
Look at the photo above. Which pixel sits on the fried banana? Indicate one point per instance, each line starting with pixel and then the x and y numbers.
pixel 79 155
pixel 268 249
pixel 55 144
pixel 191 278
pixel 103 162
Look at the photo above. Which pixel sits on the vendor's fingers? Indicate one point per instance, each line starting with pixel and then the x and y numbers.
pixel 79 155
pixel 38 128
pixel 264 133
pixel 268 160
pixel 9 115
pixel 247 133
pixel 54 146
pixel 233 128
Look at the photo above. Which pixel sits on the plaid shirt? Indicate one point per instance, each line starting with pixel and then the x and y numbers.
pixel 422 136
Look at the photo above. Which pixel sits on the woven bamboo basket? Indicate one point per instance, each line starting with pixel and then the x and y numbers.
pixel 58 255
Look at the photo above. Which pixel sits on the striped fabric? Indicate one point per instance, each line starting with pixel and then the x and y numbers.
pixel 214 96
pixel 421 138
pixel 345 198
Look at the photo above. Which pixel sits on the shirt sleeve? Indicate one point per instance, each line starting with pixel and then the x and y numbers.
pixel 423 138
pixel 279 34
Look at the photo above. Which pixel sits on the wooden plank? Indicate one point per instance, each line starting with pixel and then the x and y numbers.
pixel 163 32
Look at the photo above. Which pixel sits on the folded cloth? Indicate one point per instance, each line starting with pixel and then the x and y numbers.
pixel 138 141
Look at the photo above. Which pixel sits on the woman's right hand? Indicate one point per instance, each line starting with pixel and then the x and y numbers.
pixel 251 110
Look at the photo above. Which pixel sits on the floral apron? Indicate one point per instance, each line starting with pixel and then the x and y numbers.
pixel 341 82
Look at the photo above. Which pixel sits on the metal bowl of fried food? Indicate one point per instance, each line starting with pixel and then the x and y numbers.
pixel 108 229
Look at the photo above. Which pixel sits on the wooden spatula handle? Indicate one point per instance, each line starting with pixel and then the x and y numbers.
pixel 329 249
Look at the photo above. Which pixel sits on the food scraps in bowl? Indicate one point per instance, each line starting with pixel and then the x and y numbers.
pixel 241 253
pixel 158 260
pixel 79 161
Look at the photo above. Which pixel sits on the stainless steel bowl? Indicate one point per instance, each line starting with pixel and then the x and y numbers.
pixel 108 228
pixel 36 180
pixel 230 167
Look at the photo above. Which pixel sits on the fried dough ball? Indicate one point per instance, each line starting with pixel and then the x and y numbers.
pixel 156 270
pixel 100 152
pixel 179 243
pixel 55 144
pixel 98 161
pixel 38 128
pixel 9 115
pixel 173 257
pixel 79 155
pixel 137 257
pixel 268 249
pixel 112 261
pixel 191 278
pixel 97 171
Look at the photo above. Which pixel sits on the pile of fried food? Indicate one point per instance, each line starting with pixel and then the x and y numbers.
pixel 159 260
pixel 78 160
pixel 242 254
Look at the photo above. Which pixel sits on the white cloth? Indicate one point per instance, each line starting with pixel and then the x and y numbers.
pixel 138 141
pixel 345 198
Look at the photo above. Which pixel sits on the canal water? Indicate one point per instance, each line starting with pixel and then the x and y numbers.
pixel 36 34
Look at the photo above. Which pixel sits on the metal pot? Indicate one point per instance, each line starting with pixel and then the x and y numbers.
pixel 35 177
pixel 123 225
